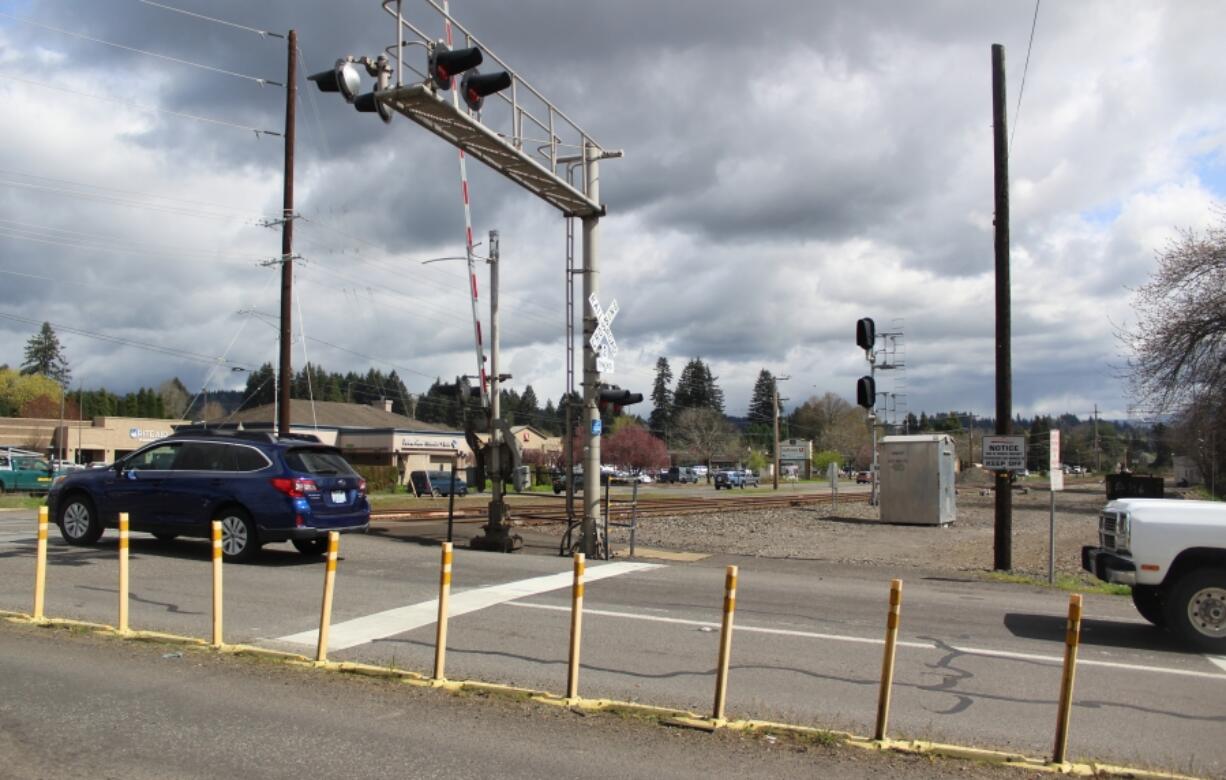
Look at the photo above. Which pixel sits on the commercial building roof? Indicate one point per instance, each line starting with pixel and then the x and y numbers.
pixel 332 414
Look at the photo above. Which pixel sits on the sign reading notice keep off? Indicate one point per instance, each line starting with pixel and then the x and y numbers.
pixel 1004 453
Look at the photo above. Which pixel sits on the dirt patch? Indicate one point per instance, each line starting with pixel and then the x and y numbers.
pixel 855 534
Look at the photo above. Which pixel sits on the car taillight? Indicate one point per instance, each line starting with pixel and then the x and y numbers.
pixel 295 488
pixel 361 487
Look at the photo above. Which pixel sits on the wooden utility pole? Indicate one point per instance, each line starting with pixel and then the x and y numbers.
pixel 776 474
pixel 1003 558
pixel 287 243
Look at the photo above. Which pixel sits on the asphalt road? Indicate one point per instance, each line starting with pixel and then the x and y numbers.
pixel 81 706
pixel 978 664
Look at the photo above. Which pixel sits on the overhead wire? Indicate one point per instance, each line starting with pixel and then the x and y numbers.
pixel 257 31
pixel 1017 112
pixel 141 106
pixel 133 198
pixel 167 57
pixel 172 351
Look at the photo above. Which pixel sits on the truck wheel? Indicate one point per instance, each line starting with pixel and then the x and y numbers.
pixel 1196 610
pixel 1148 601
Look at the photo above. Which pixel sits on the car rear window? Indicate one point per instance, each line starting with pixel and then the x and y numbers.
pixel 312 460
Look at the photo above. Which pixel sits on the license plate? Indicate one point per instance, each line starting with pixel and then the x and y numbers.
pixel 339 497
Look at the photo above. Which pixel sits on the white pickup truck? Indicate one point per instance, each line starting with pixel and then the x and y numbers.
pixel 1173 554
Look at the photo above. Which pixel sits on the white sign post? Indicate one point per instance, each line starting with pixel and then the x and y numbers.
pixel 1004 453
pixel 602 341
pixel 832 471
pixel 1056 475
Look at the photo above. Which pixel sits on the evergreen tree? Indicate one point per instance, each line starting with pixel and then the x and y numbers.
pixel 529 407
pixel 713 391
pixel 45 356
pixel 261 387
pixel 694 388
pixel 661 399
pixel 762 403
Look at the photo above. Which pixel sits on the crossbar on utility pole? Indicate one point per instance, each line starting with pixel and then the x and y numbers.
pixel 287 242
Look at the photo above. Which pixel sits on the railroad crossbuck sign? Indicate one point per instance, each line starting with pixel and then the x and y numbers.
pixel 1004 453
pixel 602 338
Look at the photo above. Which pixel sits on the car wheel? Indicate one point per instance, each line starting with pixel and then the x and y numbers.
pixel 238 537
pixel 78 521
pixel 315 546
pixel 1196 609
pixel 164 537
pixel 1148 601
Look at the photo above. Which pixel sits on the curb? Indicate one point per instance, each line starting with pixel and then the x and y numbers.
pixel 665 716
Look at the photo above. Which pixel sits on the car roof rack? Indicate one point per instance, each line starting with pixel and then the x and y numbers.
pixel 237 433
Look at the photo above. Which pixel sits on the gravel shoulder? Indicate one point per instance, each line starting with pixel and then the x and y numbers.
pixel 854 533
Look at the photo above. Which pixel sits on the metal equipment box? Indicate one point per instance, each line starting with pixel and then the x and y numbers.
pixel 917 479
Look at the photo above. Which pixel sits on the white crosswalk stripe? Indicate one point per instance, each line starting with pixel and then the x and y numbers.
pixel 380 625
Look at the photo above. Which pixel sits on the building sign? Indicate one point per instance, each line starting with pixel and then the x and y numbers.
pixel 789 452
pixel 147 434
pixel 429 443
pixel 1004 453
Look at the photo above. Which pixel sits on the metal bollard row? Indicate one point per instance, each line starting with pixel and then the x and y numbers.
pixel 718 715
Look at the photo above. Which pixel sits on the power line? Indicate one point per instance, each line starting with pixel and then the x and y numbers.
pixel 259 32
pixel 28 231
pixel 258 132
pixel 167 57
pixel 194 356
pixel 134 194
pixel 131 203
pixel 1017 112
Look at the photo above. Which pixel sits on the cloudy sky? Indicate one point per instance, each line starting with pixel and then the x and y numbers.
pixel 788 168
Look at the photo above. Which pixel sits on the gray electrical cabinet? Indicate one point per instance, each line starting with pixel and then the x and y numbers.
pixel 917 479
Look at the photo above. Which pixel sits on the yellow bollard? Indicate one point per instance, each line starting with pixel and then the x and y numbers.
pixel 325 611
pixel 1072 638
pixel 217 600
pixel 576 628
pixel 725 644
pixel 887 661
pixel 40 566
pixel 444 593
pixel 123 572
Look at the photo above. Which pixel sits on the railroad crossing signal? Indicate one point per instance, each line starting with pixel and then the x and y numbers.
pixel 602 341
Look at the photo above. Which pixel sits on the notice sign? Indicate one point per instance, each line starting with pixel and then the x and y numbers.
pixel 1004 453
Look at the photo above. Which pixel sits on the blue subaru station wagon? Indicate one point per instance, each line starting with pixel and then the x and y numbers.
pixel 262 488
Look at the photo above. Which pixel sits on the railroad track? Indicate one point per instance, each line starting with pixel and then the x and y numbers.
pixel 555 512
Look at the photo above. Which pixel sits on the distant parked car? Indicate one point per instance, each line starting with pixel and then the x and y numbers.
pixel 441 484
pixel 730 478
pixel 262 488
pixel 700 471
pixel 681 474
pixel 863 477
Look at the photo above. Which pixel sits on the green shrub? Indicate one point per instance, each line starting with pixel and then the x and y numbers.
pixel 823 459
pixel 380 478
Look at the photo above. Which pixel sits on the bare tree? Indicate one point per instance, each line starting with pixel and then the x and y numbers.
pixel 1178 346
pixel 704 433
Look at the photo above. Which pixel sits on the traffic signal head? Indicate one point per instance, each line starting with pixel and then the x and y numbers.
pixel 618 397
pixel 866 391
pixel 866 333
pixel 368 103
pixel 474 87
pixel 343 78
pixel 443 63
